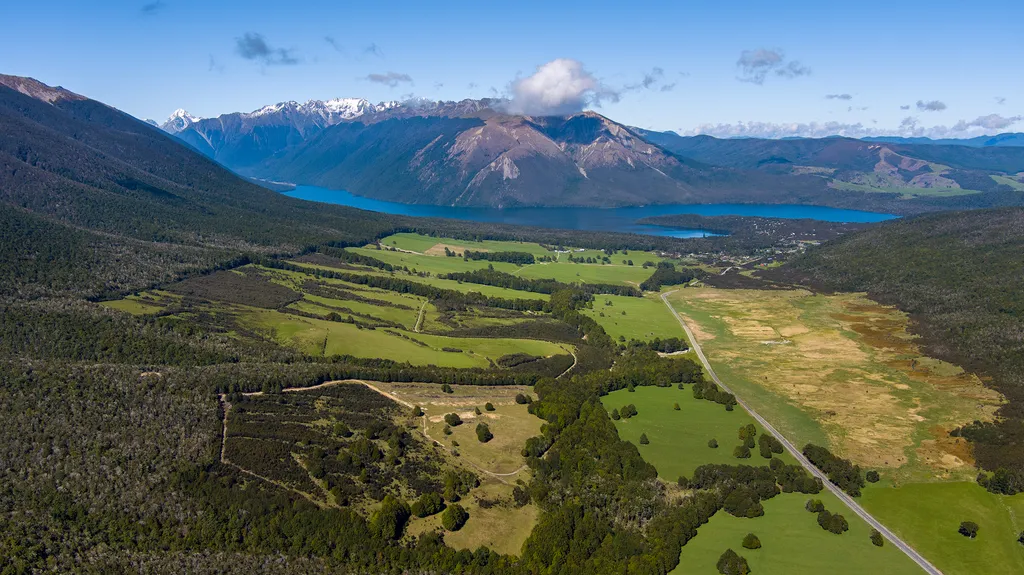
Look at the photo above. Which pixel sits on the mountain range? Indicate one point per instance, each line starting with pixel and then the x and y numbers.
pixel 473 153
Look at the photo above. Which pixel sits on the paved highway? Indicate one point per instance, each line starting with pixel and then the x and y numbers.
pixel 853 505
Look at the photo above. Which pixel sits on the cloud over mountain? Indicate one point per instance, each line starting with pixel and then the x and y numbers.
pixel 561 86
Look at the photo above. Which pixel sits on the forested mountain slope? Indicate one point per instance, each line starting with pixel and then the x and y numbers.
pixel 960 275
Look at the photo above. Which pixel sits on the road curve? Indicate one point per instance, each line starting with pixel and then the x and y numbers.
pixel 853 505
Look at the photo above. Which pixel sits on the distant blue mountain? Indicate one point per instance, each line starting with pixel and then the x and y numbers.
pixel 999 140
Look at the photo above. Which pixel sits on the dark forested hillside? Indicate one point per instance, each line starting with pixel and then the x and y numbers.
pixel 960 276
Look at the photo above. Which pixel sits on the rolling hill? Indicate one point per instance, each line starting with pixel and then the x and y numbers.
pixel 889 167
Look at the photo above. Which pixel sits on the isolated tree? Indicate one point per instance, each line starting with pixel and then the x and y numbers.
pixel 681 386
pixel 631 388
pixel 872 476
pixel 643 439
pixel 675 406
pixel 522 399
pixel 876 538
pixel 447 388
pixel 814 506
pixel 615 415
pixel 417 411
pixel 489 406
pixel 713 443
pixel 732 564
pixel 741 452
pixel 447 430
pixel 454 517
pixel 476 410
pixel 483 433
pixel 453 419
pixel 628 411
pixel 969 529
pixel 751 541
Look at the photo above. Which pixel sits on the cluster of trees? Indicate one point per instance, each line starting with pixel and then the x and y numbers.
pixel 708 390
pixel 768 445
pixel 841 472
pixel 518 258
pixel 666 274
pixel 341 255
pixel 832 522
pixel 667 345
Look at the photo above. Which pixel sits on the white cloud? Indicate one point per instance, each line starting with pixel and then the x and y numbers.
pixel 561 86
pixel 755 65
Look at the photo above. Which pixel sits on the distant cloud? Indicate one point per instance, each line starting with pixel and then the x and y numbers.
pixel 933 106
pixel 390 79
pixel 373 50
pixel 838 97
pixel 907 107
pixel 334 44
pixel 755 66
pixel 438 85
pixel 908 127
pixel 561 86
pixel 471 85
pixel 1000 100
pixel 989 122
pixel 152 8
pixel 253 46
pixel 858 108
pixel 215 66
pixel 668 87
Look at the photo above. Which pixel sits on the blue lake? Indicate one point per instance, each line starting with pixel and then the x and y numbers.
pixel 601 219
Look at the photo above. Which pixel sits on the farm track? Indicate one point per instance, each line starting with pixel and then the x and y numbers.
pixel 796 453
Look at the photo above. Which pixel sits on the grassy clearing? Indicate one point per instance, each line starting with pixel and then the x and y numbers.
pixel 493 521
pixel 792 542
pixel 679 439
pixel 320 337
pixel 927 515
pixel 133 305
pixel 843 370
pixel 431 263
pixel 905 192
pixel 1013 183
pixel 421 244
pixel 587 273
pixel 634 318
pixel 486 290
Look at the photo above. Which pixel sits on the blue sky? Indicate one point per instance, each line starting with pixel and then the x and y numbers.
pixel 963 62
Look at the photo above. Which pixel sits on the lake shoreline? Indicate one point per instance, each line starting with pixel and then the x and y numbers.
pixel 621 219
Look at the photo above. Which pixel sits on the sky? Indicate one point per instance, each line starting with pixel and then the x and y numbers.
pixel 771 69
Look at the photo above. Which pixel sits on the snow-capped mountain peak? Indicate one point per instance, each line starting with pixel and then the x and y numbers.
pixel 178 121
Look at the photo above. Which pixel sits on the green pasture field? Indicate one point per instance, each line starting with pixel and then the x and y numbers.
pixel 679 439
pixel 566 272
pixel 434 264
pixel 420 243
pixel 1013 183
pixel 309 335
pixel 927 516
pixel 905 192
pixel 645 318
pixel 406 317
pixel 489 291
pixel 793 543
